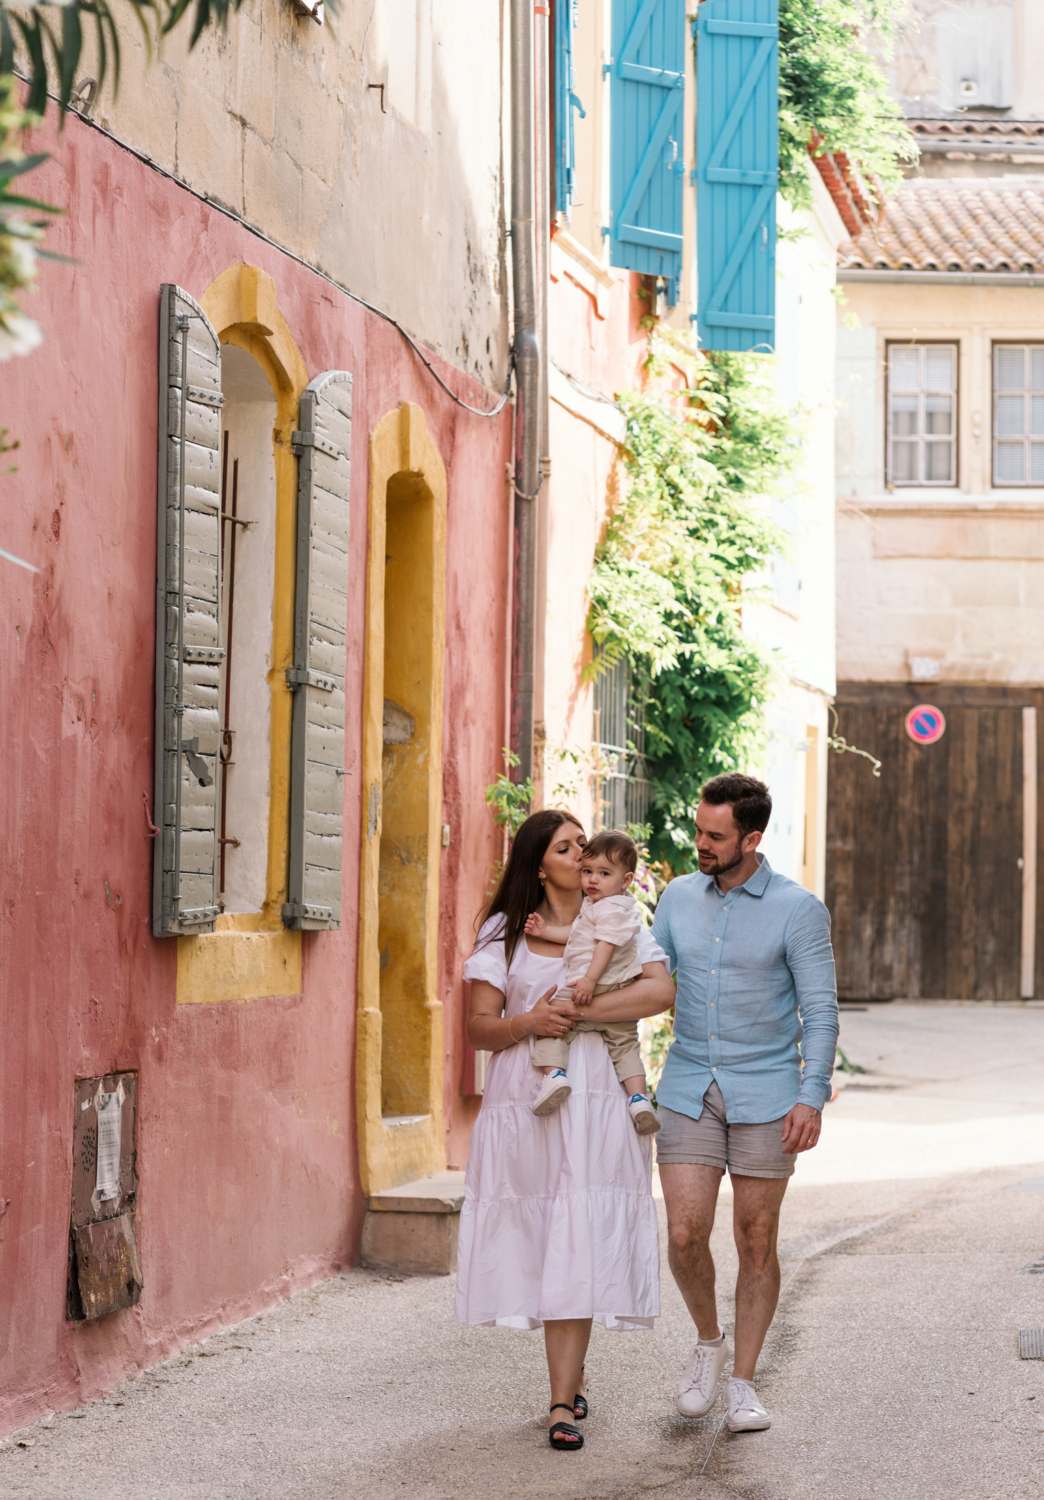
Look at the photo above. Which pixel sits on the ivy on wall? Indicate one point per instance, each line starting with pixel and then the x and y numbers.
pixel 674 568
pixel 831 85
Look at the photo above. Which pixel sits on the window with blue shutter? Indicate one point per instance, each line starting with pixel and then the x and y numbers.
pixel 647 160
pixel 737 168
pixel 566 103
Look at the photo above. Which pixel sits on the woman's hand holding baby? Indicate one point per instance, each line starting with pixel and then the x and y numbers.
pixel 548 1018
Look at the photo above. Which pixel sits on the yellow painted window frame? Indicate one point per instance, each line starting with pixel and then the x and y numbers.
pixel 252 956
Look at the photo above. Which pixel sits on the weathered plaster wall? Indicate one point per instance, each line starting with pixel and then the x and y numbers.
pixel 246 1135
pixel 597 340
pixel 952 575
pixel 397 195
pixel 798 621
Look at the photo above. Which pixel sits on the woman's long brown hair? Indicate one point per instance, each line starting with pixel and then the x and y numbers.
pixel 519 891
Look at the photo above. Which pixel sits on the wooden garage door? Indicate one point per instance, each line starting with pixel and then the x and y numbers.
pixel 924 875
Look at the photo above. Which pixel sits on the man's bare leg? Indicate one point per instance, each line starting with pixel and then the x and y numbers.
pixel 690 1192
pixel 755 1223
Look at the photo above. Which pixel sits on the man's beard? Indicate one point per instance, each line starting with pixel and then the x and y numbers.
pixel 720 867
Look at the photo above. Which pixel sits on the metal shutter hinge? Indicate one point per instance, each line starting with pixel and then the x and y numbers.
pixel 198 765
pixel 297 677
pixel 204 397
pixel 198 914
pixel 204 653
pixel 299 440
pixel 301 914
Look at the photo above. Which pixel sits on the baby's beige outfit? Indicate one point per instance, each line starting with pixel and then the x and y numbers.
pixel 616 920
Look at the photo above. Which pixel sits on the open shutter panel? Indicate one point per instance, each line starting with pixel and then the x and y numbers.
pixel 566 102
pixel 323 445
pixel 188 644
pixel 647 163
pixel 737 152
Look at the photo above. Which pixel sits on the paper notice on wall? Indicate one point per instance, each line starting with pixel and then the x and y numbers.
pixel 110 1121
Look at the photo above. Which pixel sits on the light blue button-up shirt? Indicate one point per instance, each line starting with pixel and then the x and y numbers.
pixel 756 995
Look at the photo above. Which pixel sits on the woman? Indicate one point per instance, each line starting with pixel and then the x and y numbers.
pixel 558 1225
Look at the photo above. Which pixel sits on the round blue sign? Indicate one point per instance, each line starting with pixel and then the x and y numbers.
pixel 925 724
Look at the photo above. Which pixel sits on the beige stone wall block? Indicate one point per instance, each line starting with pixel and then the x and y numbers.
pixel 204 69
pixel 150 115
pixel 310 124
pixel 210 148
pixel 271 190
pixel 251 84
pixel 315 217
pixel 948 535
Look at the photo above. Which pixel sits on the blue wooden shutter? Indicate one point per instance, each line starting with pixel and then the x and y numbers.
pixel 647 163
pixel 565 103
pixel 737 157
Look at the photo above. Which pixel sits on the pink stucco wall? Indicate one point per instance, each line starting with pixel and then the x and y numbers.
pixel 246 1138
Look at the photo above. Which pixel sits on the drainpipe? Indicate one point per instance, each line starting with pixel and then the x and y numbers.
pixel 543 254
pixel 527 380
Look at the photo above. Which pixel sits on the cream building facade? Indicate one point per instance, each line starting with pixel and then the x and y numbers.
pixel 595 350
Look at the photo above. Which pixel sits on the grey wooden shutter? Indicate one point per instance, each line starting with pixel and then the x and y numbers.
pixel 188 639
pixel 323 445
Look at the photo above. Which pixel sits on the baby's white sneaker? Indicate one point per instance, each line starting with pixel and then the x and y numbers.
pixel 746 1413
pixel 554 1090
pixel 646 1120
pixel 698 1386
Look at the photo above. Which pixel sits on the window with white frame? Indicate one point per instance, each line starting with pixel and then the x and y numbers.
pixel 922 414
pixel 1018 414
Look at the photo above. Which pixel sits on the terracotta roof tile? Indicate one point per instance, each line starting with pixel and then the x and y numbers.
pixel 965 128
pixel 946 224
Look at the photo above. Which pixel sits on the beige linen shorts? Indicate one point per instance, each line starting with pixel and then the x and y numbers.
pixel 710 1141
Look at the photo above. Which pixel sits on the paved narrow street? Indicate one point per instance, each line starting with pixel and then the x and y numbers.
pixel 892 1369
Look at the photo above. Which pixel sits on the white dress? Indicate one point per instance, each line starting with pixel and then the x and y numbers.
pixel 558 1218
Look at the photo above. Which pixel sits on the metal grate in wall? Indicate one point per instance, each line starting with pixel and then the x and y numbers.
pixel 622 789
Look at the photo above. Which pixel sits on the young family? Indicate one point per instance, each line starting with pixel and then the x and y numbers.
pixel 558 1227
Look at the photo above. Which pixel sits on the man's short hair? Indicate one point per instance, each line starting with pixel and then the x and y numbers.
pixel 749 798
pixel 614 846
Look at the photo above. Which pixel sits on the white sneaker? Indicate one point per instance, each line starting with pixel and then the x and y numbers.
pixel 646 1120
pixel 699 1383
pixel 554 1091
pixel 746 1413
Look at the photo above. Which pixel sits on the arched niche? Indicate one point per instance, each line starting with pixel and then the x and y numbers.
pixel 399 1039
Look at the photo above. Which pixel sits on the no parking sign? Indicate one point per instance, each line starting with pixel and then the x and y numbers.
pixel 925 724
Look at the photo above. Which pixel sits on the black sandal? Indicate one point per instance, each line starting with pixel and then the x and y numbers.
pixel 580 1407
pixel 563 1435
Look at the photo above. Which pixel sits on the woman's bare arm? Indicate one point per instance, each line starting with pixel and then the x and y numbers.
pixel 491 1031
pixel 647 996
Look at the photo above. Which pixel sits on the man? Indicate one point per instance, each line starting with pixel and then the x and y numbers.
pixel 755 985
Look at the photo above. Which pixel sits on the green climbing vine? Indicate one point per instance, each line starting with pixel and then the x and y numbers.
pixel 832 86
pixel 675 567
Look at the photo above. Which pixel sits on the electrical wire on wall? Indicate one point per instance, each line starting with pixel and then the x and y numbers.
pixel 229 213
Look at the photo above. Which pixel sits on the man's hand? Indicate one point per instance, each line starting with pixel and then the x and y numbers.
pixel 535 925
pixel 583 990
pixel 801 1129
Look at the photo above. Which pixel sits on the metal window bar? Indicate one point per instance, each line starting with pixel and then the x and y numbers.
pixel 922 414
pixel 1018 414
pixel 621 785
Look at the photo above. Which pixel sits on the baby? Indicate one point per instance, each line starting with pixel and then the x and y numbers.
pixel 601 953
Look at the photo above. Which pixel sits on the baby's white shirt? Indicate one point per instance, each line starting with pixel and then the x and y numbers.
pixel 616 920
